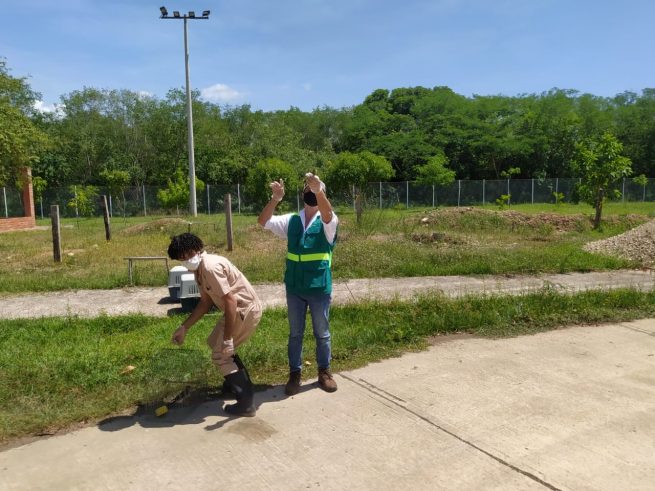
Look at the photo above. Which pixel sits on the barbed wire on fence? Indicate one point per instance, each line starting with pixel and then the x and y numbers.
pixel 143 201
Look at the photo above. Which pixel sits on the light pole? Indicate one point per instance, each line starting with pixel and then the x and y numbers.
pixel 192 164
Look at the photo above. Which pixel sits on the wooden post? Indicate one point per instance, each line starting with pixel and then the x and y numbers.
pixel 228 220
pixel 56 233
pixel 105 212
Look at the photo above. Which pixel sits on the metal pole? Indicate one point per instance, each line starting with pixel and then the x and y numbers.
pixel 433 196
pixel 532 201
pixel 381 194
pixel 209 211
pixel 238 198
pixel 483 183
pixel 143 187
pixel 623 192
pixel 77 215
pixel 509 196
pixel 193 209
pixel 459 191
pixel 407 194
pixel 111 207
pixel 4 196
pixel 41 204
pixel 56 233
pixel 228 219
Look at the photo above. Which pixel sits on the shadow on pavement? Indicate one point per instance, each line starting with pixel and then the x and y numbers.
pixel 192 407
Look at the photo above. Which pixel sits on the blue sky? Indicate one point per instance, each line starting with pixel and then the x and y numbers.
pixel 274 54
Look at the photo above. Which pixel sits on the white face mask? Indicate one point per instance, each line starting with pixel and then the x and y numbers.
pixel 192 263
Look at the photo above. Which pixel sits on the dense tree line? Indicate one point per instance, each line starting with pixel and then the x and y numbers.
pixel 97 132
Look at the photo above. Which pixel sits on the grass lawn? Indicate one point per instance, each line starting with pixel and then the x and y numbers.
pixel 388 243
pixel 56 372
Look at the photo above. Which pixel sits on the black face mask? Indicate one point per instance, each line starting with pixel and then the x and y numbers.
pixel 309 198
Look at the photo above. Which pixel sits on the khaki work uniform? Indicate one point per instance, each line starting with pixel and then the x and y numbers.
pixel 216 277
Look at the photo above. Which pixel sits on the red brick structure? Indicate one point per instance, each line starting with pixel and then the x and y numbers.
pixel 28 220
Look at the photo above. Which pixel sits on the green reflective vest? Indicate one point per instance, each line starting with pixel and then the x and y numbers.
pixel 309 258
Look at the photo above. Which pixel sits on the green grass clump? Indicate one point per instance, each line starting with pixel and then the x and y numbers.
pixel 55 372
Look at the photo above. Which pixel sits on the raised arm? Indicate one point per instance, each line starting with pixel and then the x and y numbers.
pixel 276 197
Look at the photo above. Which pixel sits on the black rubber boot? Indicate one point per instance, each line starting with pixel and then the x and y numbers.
pixel 227 389
pixel 243 390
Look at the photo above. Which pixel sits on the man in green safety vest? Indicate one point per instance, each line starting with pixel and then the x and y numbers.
pixel 311 235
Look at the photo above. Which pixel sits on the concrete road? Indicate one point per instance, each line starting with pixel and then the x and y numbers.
pixel 155 301
pixel 570 409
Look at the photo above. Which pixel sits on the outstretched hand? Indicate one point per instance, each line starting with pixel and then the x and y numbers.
pixel 277 187
pixel 313 182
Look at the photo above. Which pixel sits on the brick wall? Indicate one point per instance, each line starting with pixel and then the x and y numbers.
pixel 27 221
pixel 20 223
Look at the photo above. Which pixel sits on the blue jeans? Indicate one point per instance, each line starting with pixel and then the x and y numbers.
pixel 319 308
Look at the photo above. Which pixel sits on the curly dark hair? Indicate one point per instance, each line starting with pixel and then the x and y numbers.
pixel 183 243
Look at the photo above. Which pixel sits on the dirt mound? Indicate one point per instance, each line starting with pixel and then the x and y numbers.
pixel 161 225
pixel 637 244
pixel 507 219
pixel 510 219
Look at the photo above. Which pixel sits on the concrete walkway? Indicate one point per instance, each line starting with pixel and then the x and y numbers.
pixel 155 301
pixel 570 409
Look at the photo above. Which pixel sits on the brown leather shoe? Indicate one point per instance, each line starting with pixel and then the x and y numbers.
pixel 293 385
pixel 325 380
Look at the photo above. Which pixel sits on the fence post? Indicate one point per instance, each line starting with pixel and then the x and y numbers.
pixel 111 207
pixel 56 233
pixel 483 184
pixel 407 194
pixel 509 195
pixel 77 214
pixel 556 185
pixel 143 188
pixel 238 198
pixel 433 196
pixel 4 196
pixel 41 203
pixel 209 211
pixel 459 191
pixel 105 215
pixel 623 192
pixel 381 194
pixel 228 220
pixel 532 200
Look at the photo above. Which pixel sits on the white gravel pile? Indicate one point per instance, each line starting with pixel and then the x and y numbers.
pixel 637 244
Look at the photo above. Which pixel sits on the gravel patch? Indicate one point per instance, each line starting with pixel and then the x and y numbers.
pixel 637 244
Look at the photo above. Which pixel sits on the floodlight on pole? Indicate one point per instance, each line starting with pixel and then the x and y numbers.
pixel 193 208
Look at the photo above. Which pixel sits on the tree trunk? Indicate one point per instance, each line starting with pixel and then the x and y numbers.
pixel 599 207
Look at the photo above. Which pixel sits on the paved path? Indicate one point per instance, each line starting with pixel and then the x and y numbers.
pixel 570 409
pixel 155 301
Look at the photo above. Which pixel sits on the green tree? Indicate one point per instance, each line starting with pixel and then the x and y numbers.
pixel 435 172
pixel 176 195
pixel 117 181
pixel 263 173
pixel 84 200
pixel 641 180
pixel 601 165
pixel 357 169
pixel 21 140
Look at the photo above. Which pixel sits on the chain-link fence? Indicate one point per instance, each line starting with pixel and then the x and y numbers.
pixel 143 200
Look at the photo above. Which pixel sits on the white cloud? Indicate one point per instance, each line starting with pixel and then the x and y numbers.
pixel 307 87
pixel 220 93
pixel 42 107
pixel 144 94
